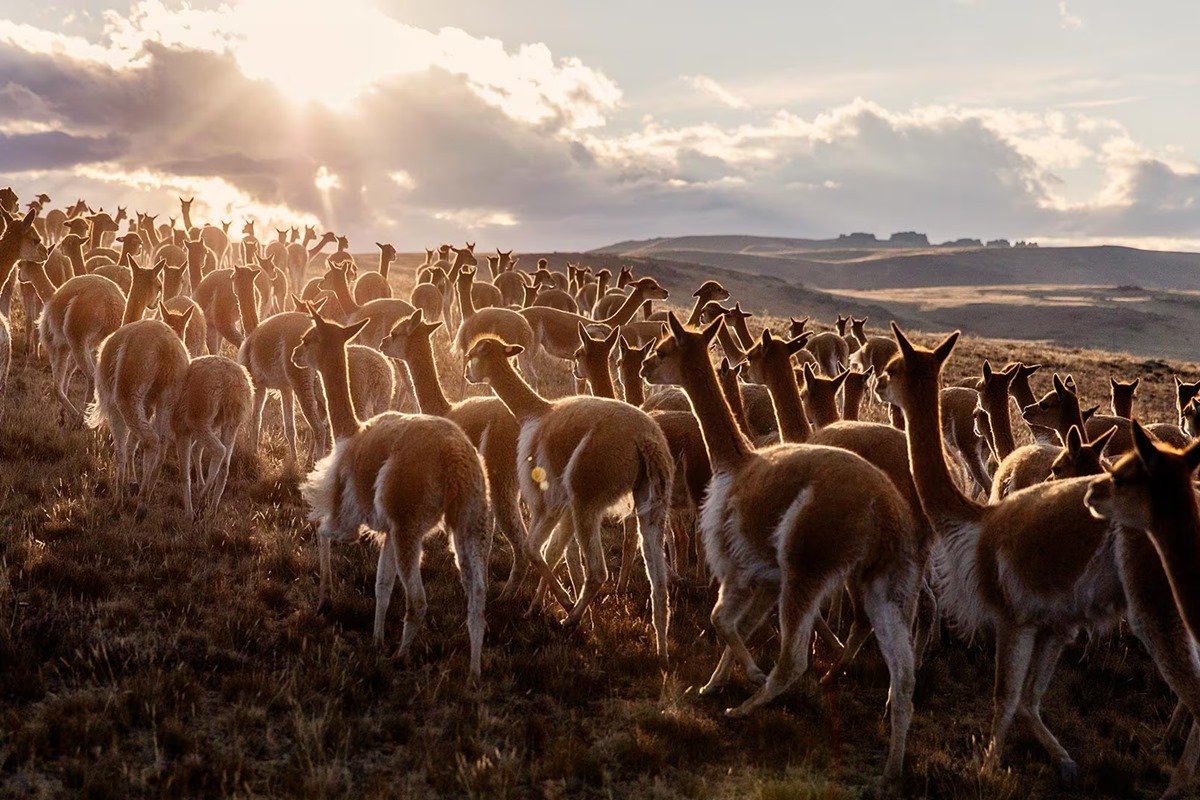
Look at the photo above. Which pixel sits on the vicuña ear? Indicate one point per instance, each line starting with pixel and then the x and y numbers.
pixel 987 370
pixel 1144 445
pixel 1074 440
pixel 513 350
pixel 1191 456
pixel 29 217
pixel 767 338
pixel 353 330
pixel 711 331
pixel 611 339
pixel 906 347
pixel 1100 442
pixel 840 379
pixel 809 375
pixel 1059 387
pixel 187 315
pixel 943 350
pixel 677 329
pixel 583 334
pixel 796 345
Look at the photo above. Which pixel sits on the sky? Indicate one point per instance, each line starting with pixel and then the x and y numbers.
pixel 570 124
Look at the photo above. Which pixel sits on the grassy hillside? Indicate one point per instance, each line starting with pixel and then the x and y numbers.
pixel 148 658
pixel 887 267
pixel 1076 297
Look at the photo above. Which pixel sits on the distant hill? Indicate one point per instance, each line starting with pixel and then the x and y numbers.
pixel 854 263
pixel 757 293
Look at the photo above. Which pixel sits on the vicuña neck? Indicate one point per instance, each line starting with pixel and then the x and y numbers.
pixel 635 390
pixel 465 302
pixel 385 262
pixel 601 381
pixel 135 304
pixel 423 370
pixel 942 500
pixel 10 250
pixel 247 306
pixel 195 266
pixel 625 313
pixel 519 396
pixel 728 447
pixel 785 397
pixel 1175 529
pixel 852 395
pixel 741 329
pixel 74 251
pixel 187 217
pixel 341 288
pixel 335 376
pixel 41 282
pixel 733 350
pixel 1002 433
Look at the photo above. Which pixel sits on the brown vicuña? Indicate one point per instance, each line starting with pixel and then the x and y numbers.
pixel 1151 490
pixel 554 331
pixel 769 523
pixel 139 375
pixel 1035 567
pixel 374 285
pixel 593 363
pixel 488 423
pixel 213 405
pixel 399 475
pixel 769 362
pixel 80 314
pixel 580 456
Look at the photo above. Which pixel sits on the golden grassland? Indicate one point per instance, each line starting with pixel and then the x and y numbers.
pixel 150 658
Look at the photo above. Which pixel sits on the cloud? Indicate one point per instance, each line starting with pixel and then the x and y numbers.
pixel 710 87
pixel 462 133
pixel 1066 19
pixel 474 218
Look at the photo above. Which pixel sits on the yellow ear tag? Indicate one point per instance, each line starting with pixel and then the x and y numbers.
pixel 539 476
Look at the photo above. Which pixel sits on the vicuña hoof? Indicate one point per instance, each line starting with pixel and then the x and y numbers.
pixel 742 711
pixel 885 788
pixel 1068 774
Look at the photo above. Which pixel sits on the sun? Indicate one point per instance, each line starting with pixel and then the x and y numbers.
pixel 327 51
